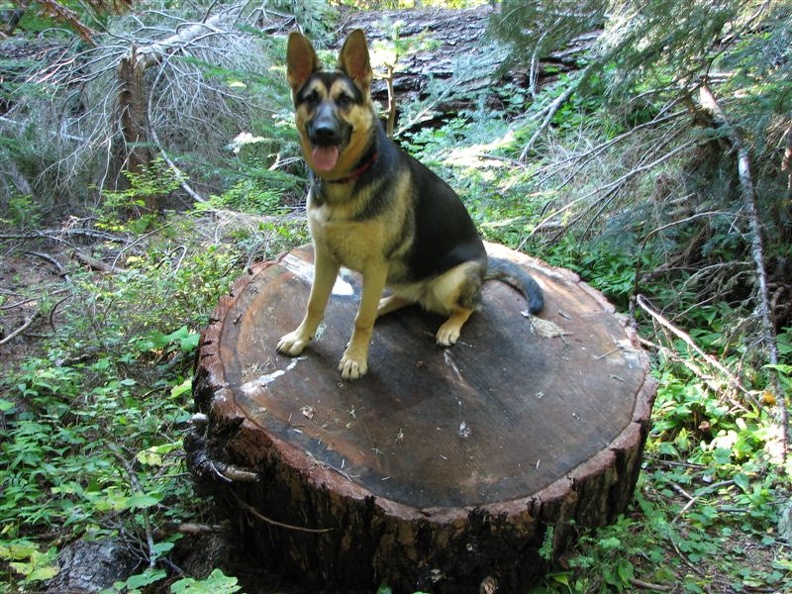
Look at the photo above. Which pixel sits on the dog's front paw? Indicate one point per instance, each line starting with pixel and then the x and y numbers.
pixel 352 367
pixel 448 334
pixel 293 343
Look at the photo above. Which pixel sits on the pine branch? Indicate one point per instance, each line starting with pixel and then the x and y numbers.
pixel 550 111
pixel 61 13
pixel 608 190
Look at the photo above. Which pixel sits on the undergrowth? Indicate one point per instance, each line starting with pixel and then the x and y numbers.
pixel 95 421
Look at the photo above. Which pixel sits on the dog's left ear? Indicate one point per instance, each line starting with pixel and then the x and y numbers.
pixel 354 60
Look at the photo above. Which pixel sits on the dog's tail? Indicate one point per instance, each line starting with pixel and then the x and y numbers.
pixel 513 275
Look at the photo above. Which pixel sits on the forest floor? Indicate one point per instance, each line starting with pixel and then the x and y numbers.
pixel 37 266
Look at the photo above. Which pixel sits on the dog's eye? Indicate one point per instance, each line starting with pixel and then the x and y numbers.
pixel 343 100
pixel 313 99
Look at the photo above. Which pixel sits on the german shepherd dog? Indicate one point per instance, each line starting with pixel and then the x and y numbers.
pixel 376 210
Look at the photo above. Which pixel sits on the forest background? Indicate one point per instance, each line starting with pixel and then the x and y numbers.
pixel 147 157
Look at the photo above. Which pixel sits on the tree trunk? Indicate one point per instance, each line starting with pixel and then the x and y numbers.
pixel 441 469
pixel 460 54
pixel 132 106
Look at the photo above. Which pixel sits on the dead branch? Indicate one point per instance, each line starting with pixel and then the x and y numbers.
pixel 687 362
pixel 649 586
pixel 58 234
pixel 553 108
pixel 767 330
pixel 609 189
pixel 786 161
pixel 419 117
pixel 193 528
pixel 685 337
pixel 586 156
pixel 95 264
pixel 231 473
pixel 152 131
pixel 21 329
pixel 51 317
pixel 17 304
pixel 64 14
pixel 53 261
pixel 391 98
pixel 144 512
pixel 152 54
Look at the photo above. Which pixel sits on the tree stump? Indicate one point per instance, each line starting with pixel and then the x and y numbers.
pixel 440 469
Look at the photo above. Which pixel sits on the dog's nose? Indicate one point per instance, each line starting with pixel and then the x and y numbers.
pixel 325 128
pixel 325 133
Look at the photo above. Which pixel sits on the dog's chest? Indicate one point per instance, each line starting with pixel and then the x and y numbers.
pixel 352 243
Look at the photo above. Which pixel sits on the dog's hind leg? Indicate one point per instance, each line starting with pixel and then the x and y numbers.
pixel 456 293
pixel 448 334
pixel 392 303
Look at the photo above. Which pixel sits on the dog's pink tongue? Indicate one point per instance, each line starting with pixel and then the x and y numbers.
pixel 324 157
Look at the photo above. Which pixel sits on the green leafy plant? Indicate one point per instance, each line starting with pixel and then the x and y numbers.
pixel 135 584
pixel 26 560
pixel 215 583
pixel 93 419
pixel 21 212
pixel 93 441
pixel 153 181
pixel 245 197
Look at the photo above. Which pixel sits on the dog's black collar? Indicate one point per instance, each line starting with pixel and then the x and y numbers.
pixel 356 173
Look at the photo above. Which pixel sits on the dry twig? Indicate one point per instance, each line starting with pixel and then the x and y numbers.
pixel 95 264
pixel 255 513
pixel 53 261
pixel 138 488
pixel 649 586
pixel 552 109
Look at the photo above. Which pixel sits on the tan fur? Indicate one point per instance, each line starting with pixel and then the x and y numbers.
pixel 342 238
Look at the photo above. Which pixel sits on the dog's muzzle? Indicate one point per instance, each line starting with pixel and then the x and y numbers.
pixel 328 136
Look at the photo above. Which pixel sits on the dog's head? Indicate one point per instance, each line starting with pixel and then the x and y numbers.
pixel 333 109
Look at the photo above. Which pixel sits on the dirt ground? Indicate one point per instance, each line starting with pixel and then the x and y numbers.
pixel 28 282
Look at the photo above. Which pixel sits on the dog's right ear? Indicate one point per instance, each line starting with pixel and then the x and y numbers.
pixel 301 61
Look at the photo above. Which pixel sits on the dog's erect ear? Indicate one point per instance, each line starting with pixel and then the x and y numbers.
pixel 354 60
pixel 301 61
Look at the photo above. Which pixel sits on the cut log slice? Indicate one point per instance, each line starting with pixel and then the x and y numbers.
pixel 440 468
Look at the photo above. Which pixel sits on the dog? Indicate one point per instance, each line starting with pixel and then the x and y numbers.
pixel 375 209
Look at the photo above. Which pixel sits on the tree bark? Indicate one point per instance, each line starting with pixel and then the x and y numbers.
pixel 133 115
